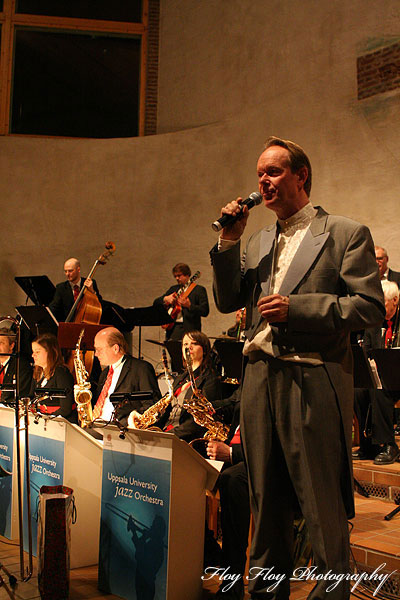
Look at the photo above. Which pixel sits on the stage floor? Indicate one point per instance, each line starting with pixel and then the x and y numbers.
pixel 374 541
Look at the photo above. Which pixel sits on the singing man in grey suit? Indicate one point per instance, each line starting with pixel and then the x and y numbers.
pixel 307 281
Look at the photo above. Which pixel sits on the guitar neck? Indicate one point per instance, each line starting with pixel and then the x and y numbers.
pixel 186 291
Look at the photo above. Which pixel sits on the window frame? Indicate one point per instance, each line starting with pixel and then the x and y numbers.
pixel 10 20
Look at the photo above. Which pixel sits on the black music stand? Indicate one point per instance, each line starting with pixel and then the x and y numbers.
pixel 53 399
pixel 126 402
pixel 363 376
pixel 230 352
pixel 38 319
pixel 388 363
pixel 114 314
pixel 148 316
pixel 174 348
pixel 38 288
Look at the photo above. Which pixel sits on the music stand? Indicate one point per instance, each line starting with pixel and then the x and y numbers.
pixel 38 319
pixel 363 377
pixel 56 393
pixel 230 353
pixel 115 315
pixel 387 363
pixel 38 288
pixel 362 374
pixel 148 316
pixel 68 334
pixel 126 402
pixel 174 348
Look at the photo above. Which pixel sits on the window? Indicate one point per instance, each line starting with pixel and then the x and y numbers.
pixel 78 68
pixel 106 10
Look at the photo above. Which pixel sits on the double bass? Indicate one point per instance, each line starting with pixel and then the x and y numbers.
pixel 87 307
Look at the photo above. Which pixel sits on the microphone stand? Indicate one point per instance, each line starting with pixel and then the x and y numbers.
pixel 21 407
pixel 393 513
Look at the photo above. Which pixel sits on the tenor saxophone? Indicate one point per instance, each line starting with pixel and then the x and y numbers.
pixel 202 410
pixel 154 412
pixel 82 393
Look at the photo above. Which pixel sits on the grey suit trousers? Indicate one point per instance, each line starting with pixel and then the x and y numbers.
pixel 295 451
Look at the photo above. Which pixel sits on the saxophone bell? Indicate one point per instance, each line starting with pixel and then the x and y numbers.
pixel 203 413
pixel 82 393
pixel 152 414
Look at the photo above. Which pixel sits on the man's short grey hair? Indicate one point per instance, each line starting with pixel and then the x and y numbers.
pixel 390 289
pixel 383 250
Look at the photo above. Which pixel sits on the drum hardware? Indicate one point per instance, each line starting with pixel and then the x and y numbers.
pixel 156 342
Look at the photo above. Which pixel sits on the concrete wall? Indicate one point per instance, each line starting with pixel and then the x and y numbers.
pixel 231 73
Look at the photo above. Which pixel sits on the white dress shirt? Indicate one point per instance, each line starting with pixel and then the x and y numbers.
pixel 108 407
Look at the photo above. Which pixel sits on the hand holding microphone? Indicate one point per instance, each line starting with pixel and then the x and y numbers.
pixel 236 212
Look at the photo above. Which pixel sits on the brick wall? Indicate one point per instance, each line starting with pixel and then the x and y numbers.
pixel 150 127
pixel 378 71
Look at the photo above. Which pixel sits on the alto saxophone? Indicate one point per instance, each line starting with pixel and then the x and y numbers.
pixel 154 412
pixel 82 393
pixel 202 410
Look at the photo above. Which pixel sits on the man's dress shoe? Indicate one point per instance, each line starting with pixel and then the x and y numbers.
pixel 388 455
pixel 359 455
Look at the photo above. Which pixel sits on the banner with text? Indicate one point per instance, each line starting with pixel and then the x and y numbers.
pixel 134 520
pixel 6 478
pixel 46 466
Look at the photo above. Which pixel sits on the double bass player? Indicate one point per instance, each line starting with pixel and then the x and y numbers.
pixel 67 291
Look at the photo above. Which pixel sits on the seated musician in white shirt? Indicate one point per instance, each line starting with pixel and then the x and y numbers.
pixel 121 373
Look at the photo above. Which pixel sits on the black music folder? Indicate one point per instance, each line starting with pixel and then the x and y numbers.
pixel 388 365
pixel 147 316
pixel 38 288
pixel 38 319
pixel 362 375
pixel 230 352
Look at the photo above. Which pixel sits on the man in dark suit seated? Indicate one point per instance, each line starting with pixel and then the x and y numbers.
pixel 235 507
pixel 377 438
pixel 121 373
pixel 8 367
pixel 67 292
pixel 192 307
pixel 382 260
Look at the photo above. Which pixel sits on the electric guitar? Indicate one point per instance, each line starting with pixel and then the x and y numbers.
pixel 181 294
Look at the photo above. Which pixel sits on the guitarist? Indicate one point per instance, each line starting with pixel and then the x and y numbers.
pixel 189 308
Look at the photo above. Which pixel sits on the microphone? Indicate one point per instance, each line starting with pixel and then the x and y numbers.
pixel 253 200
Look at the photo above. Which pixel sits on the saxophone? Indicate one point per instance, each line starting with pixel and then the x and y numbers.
pixel 154 412
pixel 82 393
pixel 202 410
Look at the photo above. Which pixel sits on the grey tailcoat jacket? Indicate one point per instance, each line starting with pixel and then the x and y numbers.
pixel 333 288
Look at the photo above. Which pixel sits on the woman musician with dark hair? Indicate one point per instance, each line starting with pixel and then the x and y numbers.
pixel 175 418
pixel 51 372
